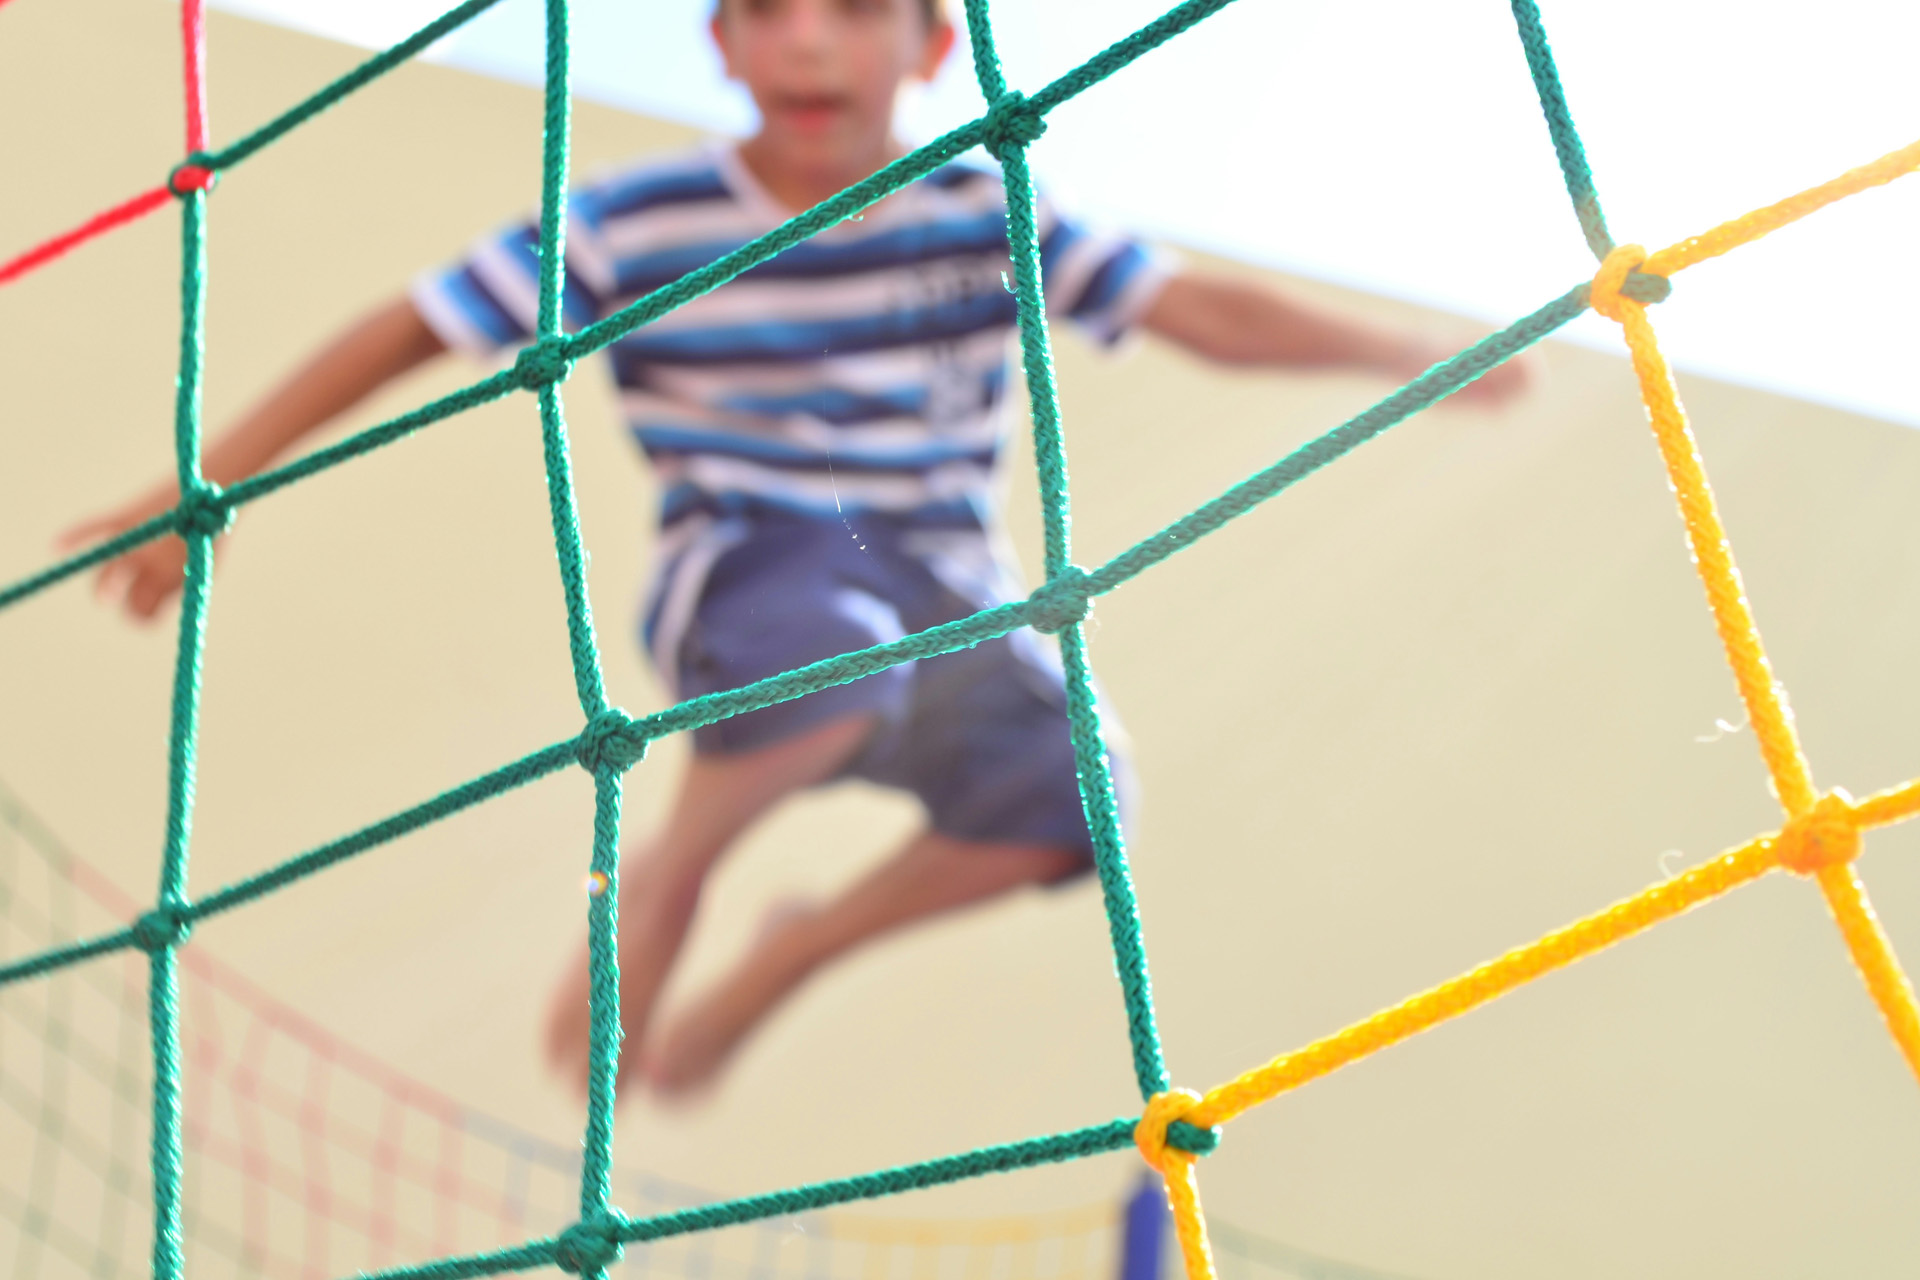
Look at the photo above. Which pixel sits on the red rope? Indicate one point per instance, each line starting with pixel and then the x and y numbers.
pixel 263 1074
pixel 141 205
pixel 193 37
pixel 317 1190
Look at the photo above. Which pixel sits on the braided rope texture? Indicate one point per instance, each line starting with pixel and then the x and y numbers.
pixel 1820 837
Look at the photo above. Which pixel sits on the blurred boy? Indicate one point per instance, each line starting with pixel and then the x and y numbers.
pixel 825 430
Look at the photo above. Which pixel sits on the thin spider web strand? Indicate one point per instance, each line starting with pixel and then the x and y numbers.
pixel 1436 384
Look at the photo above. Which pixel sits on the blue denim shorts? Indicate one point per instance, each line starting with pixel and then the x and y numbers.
pixel 978 735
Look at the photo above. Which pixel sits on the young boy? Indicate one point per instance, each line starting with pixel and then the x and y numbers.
pixel 825 431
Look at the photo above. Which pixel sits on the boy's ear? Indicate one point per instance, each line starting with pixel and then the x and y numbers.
pixel 717 28
pixel 940 41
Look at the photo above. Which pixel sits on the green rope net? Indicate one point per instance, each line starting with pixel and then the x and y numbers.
pixel 611 741
pixel 304 1155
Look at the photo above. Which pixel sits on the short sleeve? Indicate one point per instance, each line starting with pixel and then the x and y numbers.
pixel 1101 281
pixel 489 300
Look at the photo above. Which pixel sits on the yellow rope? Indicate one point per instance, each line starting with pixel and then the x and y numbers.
pixel 1176 1170
pixel 1750 227
pixel 1495 978
pixel 1888 807
pixel 1873 955
pixel 1766 701
pixel 1821 837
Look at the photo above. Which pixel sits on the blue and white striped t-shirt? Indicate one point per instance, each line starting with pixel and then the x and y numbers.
pixel 865 369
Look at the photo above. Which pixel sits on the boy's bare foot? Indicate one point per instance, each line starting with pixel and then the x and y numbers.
pixel 696 1043
pixel 655 921
pixel 720 796
pixel 569 1022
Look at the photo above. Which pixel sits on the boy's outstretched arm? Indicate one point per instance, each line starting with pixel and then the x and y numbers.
pixel 373 351
pixel 1235 323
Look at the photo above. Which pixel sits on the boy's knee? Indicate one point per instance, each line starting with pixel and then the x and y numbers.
pixel 1014 864
pixel 1057 866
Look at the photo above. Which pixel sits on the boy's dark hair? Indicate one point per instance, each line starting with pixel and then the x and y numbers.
pixel 932 12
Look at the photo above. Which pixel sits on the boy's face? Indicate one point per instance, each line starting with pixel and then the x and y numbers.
pixel 824 72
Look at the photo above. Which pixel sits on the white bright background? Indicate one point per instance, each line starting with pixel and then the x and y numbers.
pixel 1396 146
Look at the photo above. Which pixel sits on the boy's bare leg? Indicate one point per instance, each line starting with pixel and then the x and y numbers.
pixel 933 874
pixel 719 797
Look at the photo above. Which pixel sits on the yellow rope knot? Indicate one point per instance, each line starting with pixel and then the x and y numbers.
pixel 1827 835
pixel 1175 1168
pixel 1604 294
pixel 1150 1135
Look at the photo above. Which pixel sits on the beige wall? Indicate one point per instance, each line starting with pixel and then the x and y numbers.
pixel 1441 698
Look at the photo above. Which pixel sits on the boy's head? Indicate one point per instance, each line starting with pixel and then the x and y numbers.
pixel 824 73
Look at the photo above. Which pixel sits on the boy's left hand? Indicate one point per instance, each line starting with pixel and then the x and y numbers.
pixel 1247 324
pixel 1493 389
pixel 145 577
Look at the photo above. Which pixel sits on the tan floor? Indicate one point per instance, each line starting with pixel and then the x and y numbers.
pixel 1439 699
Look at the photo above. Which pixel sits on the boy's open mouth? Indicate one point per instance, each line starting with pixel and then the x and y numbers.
pixel 812 111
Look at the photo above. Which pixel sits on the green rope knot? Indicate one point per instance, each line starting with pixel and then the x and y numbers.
pixel 1012 122
pixel 612 741
pixel 1062 600
pixel 591 1245
pixel 167 925
pixel 1644 287
pixel 203 510
pixel 1191 1137
pixel 543 363
pixel 195 173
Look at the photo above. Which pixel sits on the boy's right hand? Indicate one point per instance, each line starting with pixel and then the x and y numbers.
pixel 144 579
pixel 377 348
